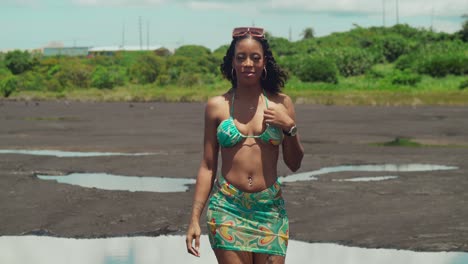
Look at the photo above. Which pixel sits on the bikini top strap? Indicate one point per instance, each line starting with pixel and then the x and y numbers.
pixel 266 98
pixel 231 110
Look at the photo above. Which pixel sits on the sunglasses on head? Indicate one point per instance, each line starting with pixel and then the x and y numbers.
pixel 252 31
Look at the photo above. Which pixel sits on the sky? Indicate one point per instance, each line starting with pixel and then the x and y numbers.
pixel 30 24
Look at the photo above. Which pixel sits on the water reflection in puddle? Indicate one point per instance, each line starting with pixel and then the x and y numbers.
pixel 312 175
pixel 368 179
pixel 68 154
pixel 165 184
pixel 171 249
pixel 127 183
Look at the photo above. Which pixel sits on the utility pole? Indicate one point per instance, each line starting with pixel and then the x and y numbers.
pixel 383 13
pixel 141 37
pixel 432 19
pixel 290 34
pixel 147 35
pixel 397 14
pixel 123 34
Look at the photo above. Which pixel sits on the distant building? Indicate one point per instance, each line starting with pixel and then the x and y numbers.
pixel 66 51
pixel 110 50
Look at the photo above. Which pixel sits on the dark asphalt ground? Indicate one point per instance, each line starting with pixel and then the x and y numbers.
pixel 418 210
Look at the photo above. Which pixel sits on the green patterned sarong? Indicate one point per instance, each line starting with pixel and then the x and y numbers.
pixel 242 221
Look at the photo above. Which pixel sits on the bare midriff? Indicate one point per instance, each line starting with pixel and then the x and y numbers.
pixel 250 165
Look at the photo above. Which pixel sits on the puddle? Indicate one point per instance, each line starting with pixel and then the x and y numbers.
pixel 126 183
pixel 312 175
pixel 68 154
pixel 171 249
pixel 166 184
pixel 368 179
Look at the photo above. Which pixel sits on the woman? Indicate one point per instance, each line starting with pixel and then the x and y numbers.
pixel 247 222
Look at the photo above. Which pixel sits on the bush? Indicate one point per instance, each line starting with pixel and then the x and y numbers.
pixel 8 85
pixel 163 79
pixel 189 80
pixel 352 61
pixel 281 46
pixel 192 51
pixel 443 64
pixel 463 84
pixel 393 47
pixel 107 77
pixel 75 73
pixel 31 80
pixel 53 85
pixel 406 61
pixel 147 67
pixel 405 78
pixel 291 64
pixel 317 69
pixel 374 73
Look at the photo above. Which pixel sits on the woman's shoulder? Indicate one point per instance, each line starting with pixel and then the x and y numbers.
pixel 218 103
pixel 218 100
pixel 281 98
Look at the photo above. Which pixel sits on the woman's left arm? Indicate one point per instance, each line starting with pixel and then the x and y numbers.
pixel 285 118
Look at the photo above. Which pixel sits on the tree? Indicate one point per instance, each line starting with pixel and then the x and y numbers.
pixel 18 61
pixel 464 30
pixel 308 33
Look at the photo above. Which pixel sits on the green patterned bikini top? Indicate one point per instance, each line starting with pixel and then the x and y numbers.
pixel 228 135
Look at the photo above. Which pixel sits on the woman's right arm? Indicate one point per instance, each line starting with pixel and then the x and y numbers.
pixel 206 176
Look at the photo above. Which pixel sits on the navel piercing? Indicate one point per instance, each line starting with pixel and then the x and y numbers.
pixel 250 181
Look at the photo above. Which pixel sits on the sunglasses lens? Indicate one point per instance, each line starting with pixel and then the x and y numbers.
pixel 256 33
pixel 239 32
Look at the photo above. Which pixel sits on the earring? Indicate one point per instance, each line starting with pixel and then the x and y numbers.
pixel 232 73
pixel 266 73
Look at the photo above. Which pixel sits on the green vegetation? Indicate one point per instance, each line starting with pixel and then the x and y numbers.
pixel 399 65
pixel 402 142
pixel 406 142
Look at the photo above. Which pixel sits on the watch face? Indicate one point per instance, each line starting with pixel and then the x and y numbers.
pixel 293 131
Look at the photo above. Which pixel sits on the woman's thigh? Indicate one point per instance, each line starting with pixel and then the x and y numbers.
pixel 268 259
pixel 233 257
pixel 243 257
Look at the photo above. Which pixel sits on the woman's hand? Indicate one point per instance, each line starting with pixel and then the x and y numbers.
pixel 193 232
pixel 277 115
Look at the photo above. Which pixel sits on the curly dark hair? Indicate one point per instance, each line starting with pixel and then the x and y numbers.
pixel 276 77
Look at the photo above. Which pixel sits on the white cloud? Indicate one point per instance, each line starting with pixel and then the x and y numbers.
pixel 118 2
pixel 210 5
pixel 243 7
pixel 19 2
pixel 406 8
pixel 446 26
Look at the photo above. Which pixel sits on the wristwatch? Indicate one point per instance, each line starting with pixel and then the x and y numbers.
pixel 292 131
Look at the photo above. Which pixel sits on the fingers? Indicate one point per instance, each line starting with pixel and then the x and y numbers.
pixel 190 249
pixel 197 245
